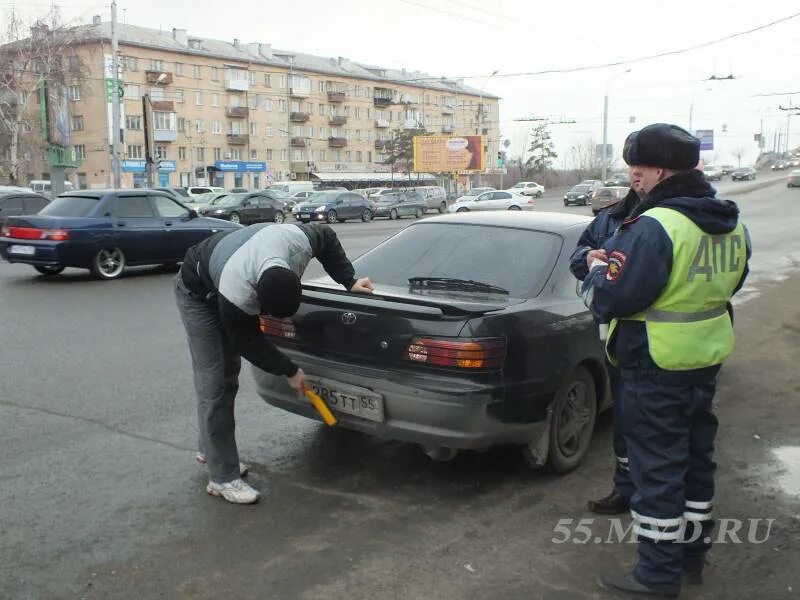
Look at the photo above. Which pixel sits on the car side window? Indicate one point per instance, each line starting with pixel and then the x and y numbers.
pixel 11 204
pixel 34 205
pixel 502 195
pixel 166 207
pixel 131 207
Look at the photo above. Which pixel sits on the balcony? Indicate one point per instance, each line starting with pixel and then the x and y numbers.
pixel 337 120
pixel 299 117
pixel 381 145
pixel 447 128
pixel 237 83
pixel 337 142
pixel 163 105
pixel 237 112
pixel 412 124
pixel 298 142
pixel 336 97
pixel 297 92
pixel 165 135
pixel 153 77
pixel 381 123
pixel 238 139
pixel 382 101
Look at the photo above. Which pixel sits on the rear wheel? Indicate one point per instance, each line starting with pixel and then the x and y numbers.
pixel 572 425
pixel 514 208
pixel 279 217
pixel 332 217
pixel 235 218
pixel 443 208
pixel 418 213
pixel 566 203
pixel 48 269
pixel 463 210
pixel 393 214
pixel 539 194
pixel 366 215
pixel 108 263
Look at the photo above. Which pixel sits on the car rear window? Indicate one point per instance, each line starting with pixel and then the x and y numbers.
pixel 518 260
pixel 70 206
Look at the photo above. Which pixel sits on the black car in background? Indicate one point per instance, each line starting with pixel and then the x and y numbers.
pixel 744 174
pixel 400 203
pixel 580 194
pixel 17 202
pixel 248 208
pixel 333 207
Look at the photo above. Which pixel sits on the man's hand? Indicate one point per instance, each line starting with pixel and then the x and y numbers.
pixel 298 381
pixel 594 255
pixel 363 286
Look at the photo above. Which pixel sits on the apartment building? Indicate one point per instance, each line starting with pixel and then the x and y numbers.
pixel 245 115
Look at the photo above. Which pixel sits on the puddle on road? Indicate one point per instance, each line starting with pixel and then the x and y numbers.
pixel 790 480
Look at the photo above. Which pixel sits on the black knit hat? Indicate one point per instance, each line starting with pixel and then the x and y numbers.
pixel 279 292
pixel 662 145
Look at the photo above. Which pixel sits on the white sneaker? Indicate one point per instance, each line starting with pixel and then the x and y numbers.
pixel 236 491
pixel 244 468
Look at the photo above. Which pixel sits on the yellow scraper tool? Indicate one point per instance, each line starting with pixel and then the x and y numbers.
pixel 321 407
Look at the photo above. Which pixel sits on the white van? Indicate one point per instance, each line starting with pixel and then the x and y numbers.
pixel 435 197
pixel 290 187
pixel 43 187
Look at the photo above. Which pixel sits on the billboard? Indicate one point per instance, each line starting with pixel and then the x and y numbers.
pixel 706 137
pixel 448 154
pixel 58 125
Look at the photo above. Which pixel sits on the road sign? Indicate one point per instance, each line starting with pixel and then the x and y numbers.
pixel 110 89
pixel 706 137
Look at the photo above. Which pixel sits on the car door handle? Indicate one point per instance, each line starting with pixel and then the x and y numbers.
pixel 168 223
pixel 120 224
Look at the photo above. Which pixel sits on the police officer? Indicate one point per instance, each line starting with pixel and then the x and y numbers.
pixel 590 245
pixel 225 282
pixel 665 287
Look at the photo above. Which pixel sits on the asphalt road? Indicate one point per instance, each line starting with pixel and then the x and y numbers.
pixel 100 496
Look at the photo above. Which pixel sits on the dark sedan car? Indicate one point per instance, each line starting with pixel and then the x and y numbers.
pixel 334 206
pixel 401 203
pixel 580 194
pixel 249 208
pixel 744 174
pixel 15 203
pixel 104 231
pixel 475 336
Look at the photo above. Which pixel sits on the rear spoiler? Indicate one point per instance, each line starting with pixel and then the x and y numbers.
pixel 434 307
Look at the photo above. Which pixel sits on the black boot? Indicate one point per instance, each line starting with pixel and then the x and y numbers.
pixel 613 504
pixel 693 571
pixel 628 584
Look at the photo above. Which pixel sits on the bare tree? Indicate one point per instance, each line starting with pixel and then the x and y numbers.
pixel 739 153
pixel 33 57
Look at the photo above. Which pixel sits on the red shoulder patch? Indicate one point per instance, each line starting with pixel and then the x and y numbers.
pixel 616 262
pixel 629 221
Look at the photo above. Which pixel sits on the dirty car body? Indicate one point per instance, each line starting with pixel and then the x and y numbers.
pixel 436 357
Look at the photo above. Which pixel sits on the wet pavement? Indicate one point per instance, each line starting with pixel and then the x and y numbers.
pixel 100 496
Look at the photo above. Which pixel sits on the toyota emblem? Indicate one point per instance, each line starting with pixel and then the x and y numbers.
pixel 349 318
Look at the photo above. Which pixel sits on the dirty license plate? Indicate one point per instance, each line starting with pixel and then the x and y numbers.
pixel 24 250
pixel 349 399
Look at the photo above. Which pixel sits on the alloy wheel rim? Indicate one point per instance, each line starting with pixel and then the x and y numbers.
pixel 574 419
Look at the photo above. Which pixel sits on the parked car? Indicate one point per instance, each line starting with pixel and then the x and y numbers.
pixel 712 173
pixel 179 193
pixel 474 193
pixel 201 189
pixel 795 162
pixel 249 208
pixel 794 179
pixel 384 191
pixel 402 203
pixel 203 200
pixel 595 184
pixel 619 179
pixel 496 200
pixel 727 169
pixel 334 206
pixel 105 231
pixel 465 344
pixel 580 194
pixel 608 196
pixel 367 192
pixel 744 174
pixel 435 197
pixel 241 190
pixel 299 196
pixel 780 166
pixel 15 202
pixel 527 188
pixel 290 187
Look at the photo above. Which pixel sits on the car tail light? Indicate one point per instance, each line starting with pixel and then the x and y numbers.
pixel 34 233
pixel 486 353
pixel 282 328
pixel 530 201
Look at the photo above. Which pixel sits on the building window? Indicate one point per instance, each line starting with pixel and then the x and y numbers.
pixel 267 80
pixel 348 156
pixel 252 101
pixel 133 122
pixel 321 87
pixel 282 106
pixel 268 104
pixel 234 101
pixel 201 154
pixel 198 71
pixel 214 99
pixel 156 64
pixel 199 126
pixel 348 134
pixel 216 127
pixel 217 154
pixel 74 93
pixel 358 156
pixel 297 155
pixel 253 154
pixel 284 155
pixel 164 121
pixel 130 63
pixel 158 93
pixel 323 133
pixel 346 111
pixel 252 77
pixel 77 123
pixel 161 152
pixel 80 152
pixel 214 74
pixel 181 124
pixel 180 97
pixel 310 132
pixel 323 155
pixel 134 151
pixel 322 109
pixel 284 133
pixel 132 92
pixel 294 106
pixel 198 98
pixel 310 108
pixel 269 131
pixel 253 128
pixel 269 154
pixel 236 154
pixel 179 69
pixel 358 134
pixel 282 83
pixel 236 128
pixel 182 153
pixel 369 156
pixel 358 91
pixel 297 131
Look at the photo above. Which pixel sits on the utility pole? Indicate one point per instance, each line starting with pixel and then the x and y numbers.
pixel 115 105
pixel 791 111
pixel 604 166
pixel 289 114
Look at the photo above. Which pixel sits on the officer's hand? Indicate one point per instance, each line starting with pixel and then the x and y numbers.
pixel 363 286
pixel 594 255
pixel 298 381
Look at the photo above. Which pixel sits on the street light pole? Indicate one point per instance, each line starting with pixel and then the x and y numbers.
pixel 116 111
pixel 605 126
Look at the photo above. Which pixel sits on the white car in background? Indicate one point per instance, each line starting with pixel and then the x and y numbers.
pixel 493 200
pixel 527 188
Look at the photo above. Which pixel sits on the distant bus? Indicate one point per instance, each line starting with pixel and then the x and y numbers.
pixel 42 186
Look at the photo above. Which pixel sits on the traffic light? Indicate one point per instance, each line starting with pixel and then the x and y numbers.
pixel 499 159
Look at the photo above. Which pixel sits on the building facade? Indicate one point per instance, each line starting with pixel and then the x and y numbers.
pixel 246 115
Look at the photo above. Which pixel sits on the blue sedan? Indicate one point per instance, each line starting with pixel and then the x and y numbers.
pixel 105 231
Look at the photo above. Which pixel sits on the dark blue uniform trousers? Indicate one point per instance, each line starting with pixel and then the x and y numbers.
pixel 622 475
pixel 669 431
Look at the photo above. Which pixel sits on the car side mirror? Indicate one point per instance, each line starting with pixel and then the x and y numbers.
pixel 192 214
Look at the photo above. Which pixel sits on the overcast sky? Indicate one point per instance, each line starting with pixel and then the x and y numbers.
pixel 473 38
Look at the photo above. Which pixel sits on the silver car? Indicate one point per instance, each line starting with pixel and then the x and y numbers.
pixel 495 200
